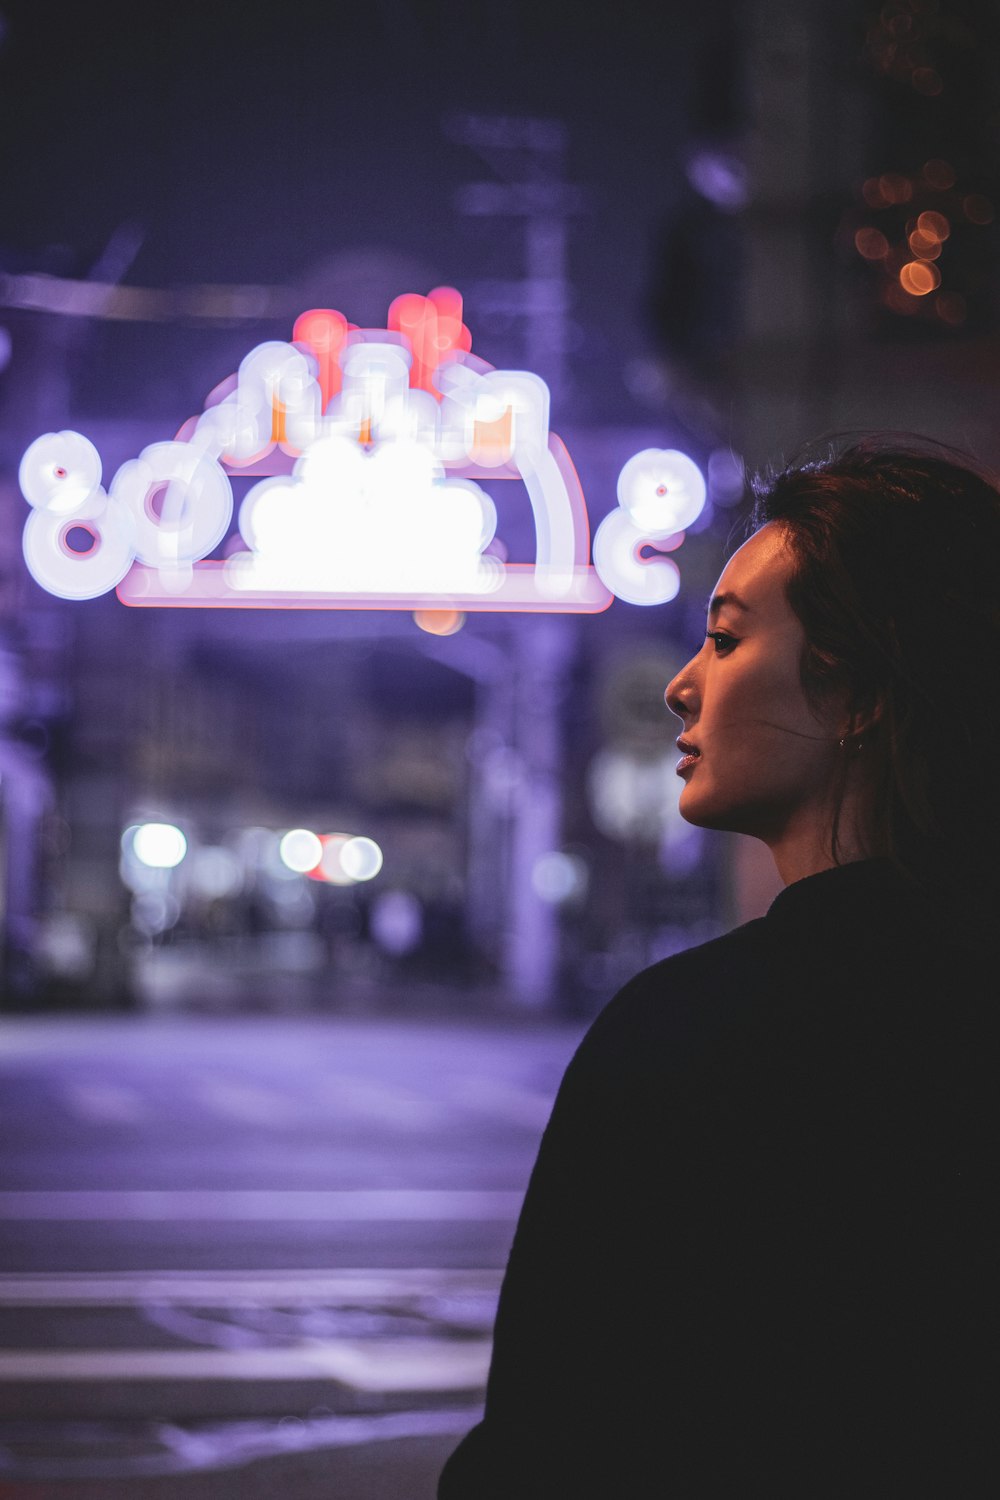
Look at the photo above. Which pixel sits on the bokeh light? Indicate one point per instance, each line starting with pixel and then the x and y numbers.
pixel 153 912
pixel 933 226
pixel 871 243
pixel 300 850
pixel 331 867
pixel 557 877
pixel 439 621
pixel 361 858
pixel 918 278
pixel 396 921
pixel 895 188
pixel 161 846
pixel 216 873
pixel 978 209
pixel 922 247
pixel 939 174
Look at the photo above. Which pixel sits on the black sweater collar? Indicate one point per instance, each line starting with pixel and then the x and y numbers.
pixel 864 883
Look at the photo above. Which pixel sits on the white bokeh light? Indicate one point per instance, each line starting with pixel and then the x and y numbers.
pixel 216 873
pixel 361 858
pixel 330 867
pixel 300 850
pixel 397 922
pixel 558 877
pixel 161 846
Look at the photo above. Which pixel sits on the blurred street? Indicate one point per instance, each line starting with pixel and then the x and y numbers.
pixel 255 1256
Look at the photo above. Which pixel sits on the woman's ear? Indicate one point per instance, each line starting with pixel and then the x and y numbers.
pixel 865 716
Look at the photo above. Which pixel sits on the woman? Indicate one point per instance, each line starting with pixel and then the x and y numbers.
pixel 753 1256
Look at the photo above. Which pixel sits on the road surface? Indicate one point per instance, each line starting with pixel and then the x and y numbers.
pixel 255 1256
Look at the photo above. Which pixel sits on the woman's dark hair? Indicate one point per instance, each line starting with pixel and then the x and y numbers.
pixel 897 556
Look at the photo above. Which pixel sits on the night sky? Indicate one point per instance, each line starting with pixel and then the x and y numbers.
pixel 252 143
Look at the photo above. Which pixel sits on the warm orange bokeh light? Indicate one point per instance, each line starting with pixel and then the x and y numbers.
pixel 924 248
pixel 933 226
pixel 871 191
pixel 918 278
pixel 439 621
pixel 895 187
pixel 871 243
pixel 940 174
pixel 978 209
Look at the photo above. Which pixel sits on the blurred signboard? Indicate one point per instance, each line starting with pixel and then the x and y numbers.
pixel 369 450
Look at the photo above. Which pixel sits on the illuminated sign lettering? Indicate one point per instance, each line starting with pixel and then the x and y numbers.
pixel 368 448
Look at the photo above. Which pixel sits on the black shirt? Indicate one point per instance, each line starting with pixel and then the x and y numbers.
pixel 756 1253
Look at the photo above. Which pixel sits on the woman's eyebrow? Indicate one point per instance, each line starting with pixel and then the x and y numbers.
pixel 719 601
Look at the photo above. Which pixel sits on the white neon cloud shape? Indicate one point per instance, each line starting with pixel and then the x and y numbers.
pixel 385 521
pixel 660 492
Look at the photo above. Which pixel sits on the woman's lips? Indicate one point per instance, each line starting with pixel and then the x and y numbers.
pixel 690 754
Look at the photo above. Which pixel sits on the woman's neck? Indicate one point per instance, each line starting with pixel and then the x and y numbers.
pixel 809 845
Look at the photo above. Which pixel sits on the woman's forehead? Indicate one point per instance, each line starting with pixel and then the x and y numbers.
pixel 758 572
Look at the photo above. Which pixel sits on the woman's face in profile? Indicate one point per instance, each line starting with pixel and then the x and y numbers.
pixel 764 759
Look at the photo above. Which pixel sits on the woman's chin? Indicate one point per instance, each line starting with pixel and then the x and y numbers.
pixel 692 812
pixel 701 812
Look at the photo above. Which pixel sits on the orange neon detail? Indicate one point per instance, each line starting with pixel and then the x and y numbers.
pixel 365 431
pixel 325 332
pixel 493 442
pixel 279 416
pixel 433 325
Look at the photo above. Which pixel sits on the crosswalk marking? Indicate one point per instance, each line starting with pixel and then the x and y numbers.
pixel 501 1099
pixel 227 1097
pixel 372 1099
pixel 240 1288
pixel 236 1099
pixel 101 1451
pixel 343 1205
pixel 374 1365
pixel 106 1103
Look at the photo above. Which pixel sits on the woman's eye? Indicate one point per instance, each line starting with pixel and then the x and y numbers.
pixel 723 642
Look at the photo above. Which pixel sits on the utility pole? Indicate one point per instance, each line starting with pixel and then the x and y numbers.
pixel 529 158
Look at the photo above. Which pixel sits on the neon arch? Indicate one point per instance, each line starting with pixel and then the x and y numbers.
pixel 367 448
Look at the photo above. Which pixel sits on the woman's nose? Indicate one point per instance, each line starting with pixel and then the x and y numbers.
pixel 680 694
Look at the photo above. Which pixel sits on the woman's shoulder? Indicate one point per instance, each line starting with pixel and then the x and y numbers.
pixel 676 1006
pixel 727 962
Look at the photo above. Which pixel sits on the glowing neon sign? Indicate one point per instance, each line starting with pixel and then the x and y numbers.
pixel 367 447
